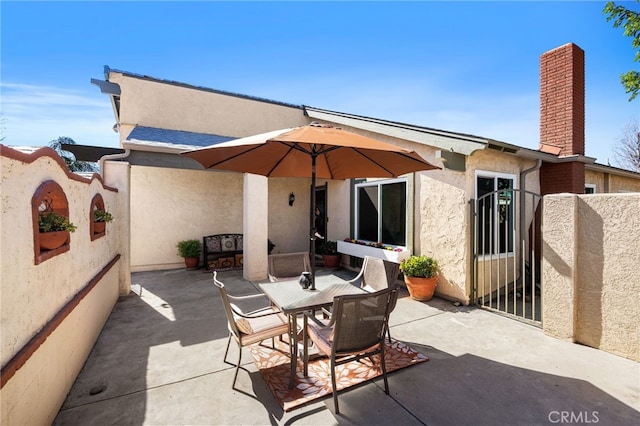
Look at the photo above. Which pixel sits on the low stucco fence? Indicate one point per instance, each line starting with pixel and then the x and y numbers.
pixel 591 257
pixel 54 302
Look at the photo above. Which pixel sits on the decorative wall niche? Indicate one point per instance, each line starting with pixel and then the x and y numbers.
pixel 49 201
pixel 96 229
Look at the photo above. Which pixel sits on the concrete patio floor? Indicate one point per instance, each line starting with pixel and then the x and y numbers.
pixel 158 361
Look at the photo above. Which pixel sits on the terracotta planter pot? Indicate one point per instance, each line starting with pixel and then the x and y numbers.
pixel 420 288
pixel 53 240
pixel 331 260
pixel 99 227
pixel 191 262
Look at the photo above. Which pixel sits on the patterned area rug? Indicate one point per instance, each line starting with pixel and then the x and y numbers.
pixel 275 367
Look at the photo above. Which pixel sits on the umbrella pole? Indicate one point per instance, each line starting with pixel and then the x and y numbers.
pixel 313 222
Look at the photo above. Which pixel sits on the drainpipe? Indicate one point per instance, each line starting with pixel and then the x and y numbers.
pixel 104 158
pixel 523 182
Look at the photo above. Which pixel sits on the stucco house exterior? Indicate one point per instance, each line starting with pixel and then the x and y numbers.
pixel 158 119
pixel 479 215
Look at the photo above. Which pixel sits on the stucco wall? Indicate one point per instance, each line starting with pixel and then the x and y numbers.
pixel 623 184
pixel 37 391
pixel 289 225
pixel 595 178
pixel 179 107
pixel 190 204
pixel 591 253
pixel 170 205
pixel 442 228
pixel 442 215
pixel 32 295
pixel 338 209
pixel 610 183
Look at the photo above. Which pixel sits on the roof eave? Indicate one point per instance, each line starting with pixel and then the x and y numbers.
pixel 449 141
pixel 612 170
pixel 161 147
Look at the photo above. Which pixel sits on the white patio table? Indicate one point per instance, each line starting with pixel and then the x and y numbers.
pixel 292 300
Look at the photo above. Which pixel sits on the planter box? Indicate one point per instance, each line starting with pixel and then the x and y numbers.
pixel 360 250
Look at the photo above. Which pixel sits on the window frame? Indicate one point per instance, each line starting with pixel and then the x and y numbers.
pixel 379 183
pixel 496 253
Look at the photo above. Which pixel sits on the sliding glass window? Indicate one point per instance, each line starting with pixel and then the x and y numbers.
pixel 381 211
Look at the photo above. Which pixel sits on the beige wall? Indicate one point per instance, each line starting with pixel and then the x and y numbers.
pixel 442 228
pixel 32 295
pixel 595 178
pixel 193 203
pixel 610 183
pixel 170 205
pixel 179 107
pixel 442 215
pixel 591 253
pixel 37 391
pixel 623 184
pixel 289 225
pixel 338 209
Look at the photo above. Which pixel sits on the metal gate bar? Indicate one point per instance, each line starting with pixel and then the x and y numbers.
pixel 505 267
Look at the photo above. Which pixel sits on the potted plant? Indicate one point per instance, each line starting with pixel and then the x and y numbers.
pixel 420 276
pixel 54 230
pixel 330 255
pixel 100 218
pixel 190 250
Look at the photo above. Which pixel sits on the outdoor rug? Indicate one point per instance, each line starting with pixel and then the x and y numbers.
pixel 275 367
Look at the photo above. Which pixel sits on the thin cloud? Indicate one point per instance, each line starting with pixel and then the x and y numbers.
pixel 35 115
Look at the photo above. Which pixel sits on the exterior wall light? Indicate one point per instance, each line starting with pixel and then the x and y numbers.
pixel 292 198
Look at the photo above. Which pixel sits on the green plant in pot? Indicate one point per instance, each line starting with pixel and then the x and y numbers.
pixel 420 276
pixel 100 219
pixel 54 222
pixel 190 250
pixel 330 255
pixel 54 230
pixel 102 216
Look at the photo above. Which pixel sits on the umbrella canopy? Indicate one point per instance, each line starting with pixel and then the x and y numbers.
pixel 311 151
pixel 338 154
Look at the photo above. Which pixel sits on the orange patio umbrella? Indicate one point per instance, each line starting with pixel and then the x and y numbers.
pixel 312 151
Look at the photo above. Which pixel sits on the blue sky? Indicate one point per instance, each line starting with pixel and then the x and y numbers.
pixel 470 67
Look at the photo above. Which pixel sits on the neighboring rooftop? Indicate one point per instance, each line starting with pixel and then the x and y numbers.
pixel 175 138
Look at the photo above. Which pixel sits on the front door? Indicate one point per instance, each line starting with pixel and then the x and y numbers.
pixel 321 215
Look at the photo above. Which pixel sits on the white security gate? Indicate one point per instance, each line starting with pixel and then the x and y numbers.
pixel 505 253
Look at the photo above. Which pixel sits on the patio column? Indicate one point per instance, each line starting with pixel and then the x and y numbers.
pixel 118 175
pixel 255 227
pixel 559 274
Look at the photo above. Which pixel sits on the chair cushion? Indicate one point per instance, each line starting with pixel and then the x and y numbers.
pixel 321 336
pixel 239 242
pixel 259 324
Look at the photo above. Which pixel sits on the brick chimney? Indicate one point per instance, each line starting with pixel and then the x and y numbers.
pixel 562 117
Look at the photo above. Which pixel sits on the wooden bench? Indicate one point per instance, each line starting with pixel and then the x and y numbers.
pixel 222 251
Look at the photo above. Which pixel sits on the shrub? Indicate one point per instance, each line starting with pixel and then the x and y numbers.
pixel 329 247
pixel 189 248
pixel 419 266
